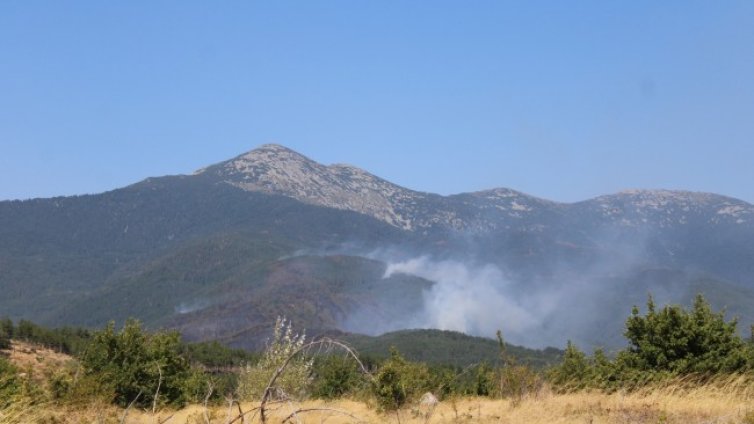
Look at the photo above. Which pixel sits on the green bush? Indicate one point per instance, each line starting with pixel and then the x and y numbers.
pixel 662 344
pixel 682 342
pixel 10 385
pixel 335 376
pixel 518 381
pixel 398 381
pixel 134 364
pixel 214 355
pixel 484 380
pixel 575 370
pixel 59 385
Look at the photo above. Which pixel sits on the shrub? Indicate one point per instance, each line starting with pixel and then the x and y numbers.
pixel 294 380
pixel 134 364
pixel 398 381
pixel 6 333
pixel 573 371
pixel 59 385
pixel 662 344
pixel 681 342
pixel 335 376
pixel 9 383
pixel 517 381
pixel 484 381
pixel 4 342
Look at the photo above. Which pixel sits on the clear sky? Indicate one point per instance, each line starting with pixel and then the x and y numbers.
pixel 564 99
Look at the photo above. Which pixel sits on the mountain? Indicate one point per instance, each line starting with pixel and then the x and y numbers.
pixel 276 170
pixel 220 253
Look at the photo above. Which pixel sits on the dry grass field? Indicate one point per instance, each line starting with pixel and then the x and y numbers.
pixel 729 401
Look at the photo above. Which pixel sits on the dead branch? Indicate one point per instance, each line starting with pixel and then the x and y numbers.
pixel 157 392
pixel 337 411
pixel 240 412
pixel 230 408
pixel 294 411
pixel 170 417
pixel 125 413
pixel 210 389
pixel 254 410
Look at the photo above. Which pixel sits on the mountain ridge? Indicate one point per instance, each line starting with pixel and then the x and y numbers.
pixel 276 169
pixel 218 253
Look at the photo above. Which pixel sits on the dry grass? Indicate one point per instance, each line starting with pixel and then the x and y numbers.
pixel 724 401
pixel 35 359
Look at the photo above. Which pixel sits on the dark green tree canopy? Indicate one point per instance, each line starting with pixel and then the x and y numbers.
pixel 136 363
pixel 680 341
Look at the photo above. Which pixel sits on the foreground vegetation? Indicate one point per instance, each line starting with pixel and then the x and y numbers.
pixel 703 405
pixel 679 366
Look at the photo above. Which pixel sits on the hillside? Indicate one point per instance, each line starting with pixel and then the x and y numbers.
pixel 448 347
pixel 220 253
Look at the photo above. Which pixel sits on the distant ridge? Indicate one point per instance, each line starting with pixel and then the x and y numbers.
pixel 275 169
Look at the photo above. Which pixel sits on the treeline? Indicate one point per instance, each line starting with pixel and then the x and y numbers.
pixel 69 340
pixel 74 340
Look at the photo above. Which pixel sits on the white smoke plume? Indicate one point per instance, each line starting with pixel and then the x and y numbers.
pixel 472 301
pixel 481 299
pixel 585 302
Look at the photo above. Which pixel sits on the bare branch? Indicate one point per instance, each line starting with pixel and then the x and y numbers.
pixel 210 389
pixel 243 415
pixel 157 392
pixel 240 412
pixel 323 342
pixel 230 408
pixel 337 411
pixel 298 421
pixel 125 413
pixel 170 417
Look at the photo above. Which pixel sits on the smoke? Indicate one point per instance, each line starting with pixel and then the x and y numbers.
pixel 480 300
pixel 192 306
pixel 583 294
pixel 473 301
pixel 586 303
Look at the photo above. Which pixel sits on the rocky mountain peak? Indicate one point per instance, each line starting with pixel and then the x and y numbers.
pixel 663 195
pixel 275 169
pixel 672 207
pixel 268 156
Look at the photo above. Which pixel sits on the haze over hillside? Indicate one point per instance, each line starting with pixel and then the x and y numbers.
pixel 220 253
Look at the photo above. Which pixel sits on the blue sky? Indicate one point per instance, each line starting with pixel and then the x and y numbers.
pixel 563 100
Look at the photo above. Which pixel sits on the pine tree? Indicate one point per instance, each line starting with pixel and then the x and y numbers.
pixel 681 341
